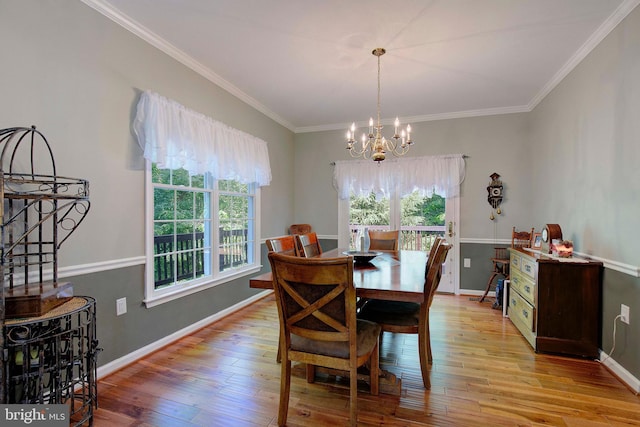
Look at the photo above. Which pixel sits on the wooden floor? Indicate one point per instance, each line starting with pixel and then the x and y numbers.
pixel 484 374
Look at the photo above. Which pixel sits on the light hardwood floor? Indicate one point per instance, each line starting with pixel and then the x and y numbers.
pixel 483 374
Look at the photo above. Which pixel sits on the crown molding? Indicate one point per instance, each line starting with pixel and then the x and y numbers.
pixel 139 30
pixel 423 118
pixel 158 42
pixel 607 26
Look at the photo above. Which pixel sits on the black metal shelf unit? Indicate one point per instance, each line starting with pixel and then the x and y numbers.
pixel 52 359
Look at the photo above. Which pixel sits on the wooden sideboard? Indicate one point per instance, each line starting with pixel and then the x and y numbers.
pixel 556 303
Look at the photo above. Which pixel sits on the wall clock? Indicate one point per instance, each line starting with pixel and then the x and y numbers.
pixel 495 194
pixel 550 232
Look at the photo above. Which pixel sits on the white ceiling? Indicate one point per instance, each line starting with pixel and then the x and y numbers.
pixel 308 64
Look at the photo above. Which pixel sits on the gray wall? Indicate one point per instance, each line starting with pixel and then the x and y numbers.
pixel 77 76
pixel 489 142
pixel 586 140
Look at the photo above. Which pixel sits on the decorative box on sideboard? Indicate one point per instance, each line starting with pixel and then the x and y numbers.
pixel 556 303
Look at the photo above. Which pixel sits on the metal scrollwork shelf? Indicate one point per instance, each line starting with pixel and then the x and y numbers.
pixel 48 345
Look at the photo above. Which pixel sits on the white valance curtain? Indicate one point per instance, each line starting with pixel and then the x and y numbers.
pixel 427 175
pixel 175 137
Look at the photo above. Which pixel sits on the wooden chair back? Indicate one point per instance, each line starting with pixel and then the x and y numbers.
pixel 432 253
pixel 300 229
pixel 282 245
pixel 434 273
pixel 308 245
pixel 316 302
pixel 521 239
pixel 383 240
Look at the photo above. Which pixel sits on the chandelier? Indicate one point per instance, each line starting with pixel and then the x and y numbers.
pixel 374 145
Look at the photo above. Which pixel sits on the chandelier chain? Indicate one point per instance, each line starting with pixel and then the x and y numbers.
pixel 379 55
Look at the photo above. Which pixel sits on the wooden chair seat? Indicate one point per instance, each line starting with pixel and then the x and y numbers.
pixel 367 335
pixel 396 316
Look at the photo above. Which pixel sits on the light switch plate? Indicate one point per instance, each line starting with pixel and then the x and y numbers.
pixel 121 306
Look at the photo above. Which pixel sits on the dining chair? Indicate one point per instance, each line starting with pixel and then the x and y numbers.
pixel 500 260
pixel 283 245
pixel 432 251
pixel 383 240
pixel 308 245
pixel 300 229
pixel 316 302
pixel 410 317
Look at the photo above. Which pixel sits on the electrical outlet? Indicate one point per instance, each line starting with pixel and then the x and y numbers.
pixel 467 262
pixel 121 306
pixel 624 313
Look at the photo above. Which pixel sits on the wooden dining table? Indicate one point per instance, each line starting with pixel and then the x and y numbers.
pixel 391 276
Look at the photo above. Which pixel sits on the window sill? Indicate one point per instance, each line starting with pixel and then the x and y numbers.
pixel 171 295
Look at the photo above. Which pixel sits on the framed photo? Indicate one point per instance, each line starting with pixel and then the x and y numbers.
pixel 537 241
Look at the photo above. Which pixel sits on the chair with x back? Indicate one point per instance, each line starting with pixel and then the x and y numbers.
pixel 282 245
pixel 411 317
pixel 383 240
pixel 316 302
pixel 307 245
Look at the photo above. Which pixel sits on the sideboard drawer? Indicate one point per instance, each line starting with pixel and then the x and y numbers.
pixel 524 285
pixel 515 261
pixel 528 267
pixel 521 310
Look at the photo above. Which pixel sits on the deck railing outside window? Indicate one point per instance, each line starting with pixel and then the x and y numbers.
pixel 415 238
pixel 232 253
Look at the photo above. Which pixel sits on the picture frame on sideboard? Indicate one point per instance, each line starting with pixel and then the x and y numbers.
pixel 536 241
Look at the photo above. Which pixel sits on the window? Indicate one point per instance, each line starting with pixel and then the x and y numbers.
pixel 420 218
pixel 202 198
pixel 192 248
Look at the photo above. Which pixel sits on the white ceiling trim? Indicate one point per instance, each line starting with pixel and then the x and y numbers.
pixel 607 26
pixel 425 118
pixel 139 30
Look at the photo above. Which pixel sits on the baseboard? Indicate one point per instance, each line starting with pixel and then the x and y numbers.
pixel 620 372
pixel 475 292
pixel 120 363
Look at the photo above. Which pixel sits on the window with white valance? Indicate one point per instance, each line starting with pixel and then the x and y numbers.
pixel 430 174
pixel 174 137
pixel 202 198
